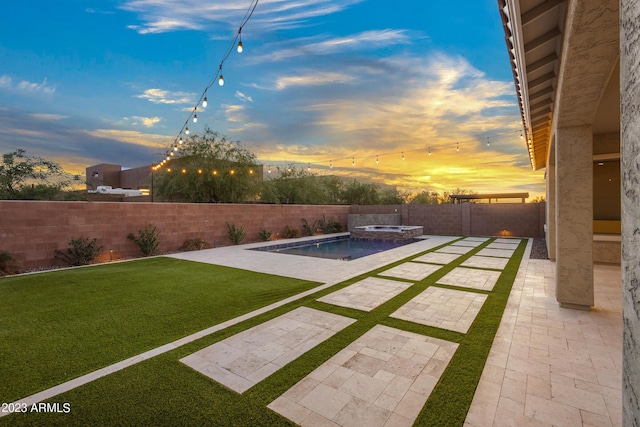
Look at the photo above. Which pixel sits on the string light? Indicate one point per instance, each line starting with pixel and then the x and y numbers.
pixel 269 170
pixel 457 146
pixel 308 167
pixel 330 164
pixel 240 48
pixel 403 155
pixel 429 151
pixel 488 142
pixel 236 43
pixel 377 159
pixel 180 141
pixel 353 161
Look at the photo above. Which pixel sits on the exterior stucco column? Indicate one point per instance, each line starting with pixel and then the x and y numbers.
pixel 574 217
pixel 630 171
pixel 551 204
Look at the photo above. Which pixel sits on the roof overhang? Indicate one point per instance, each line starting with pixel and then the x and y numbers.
pixel 533 33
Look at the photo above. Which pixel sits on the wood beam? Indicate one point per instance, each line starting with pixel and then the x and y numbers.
pixel 541 62
pixel 537 42
pixel 539 10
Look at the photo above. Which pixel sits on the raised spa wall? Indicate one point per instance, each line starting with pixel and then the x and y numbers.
pixel 401 234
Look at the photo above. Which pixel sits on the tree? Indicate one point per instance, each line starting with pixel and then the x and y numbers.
pixel 359 193
pixel 299 186
pixel 25 177
pixel 209 168
pixel 426 197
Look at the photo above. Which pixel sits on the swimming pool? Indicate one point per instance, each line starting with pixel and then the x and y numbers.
pixel 342 248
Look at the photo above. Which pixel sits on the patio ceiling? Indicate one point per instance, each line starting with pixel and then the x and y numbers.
pixel 533 33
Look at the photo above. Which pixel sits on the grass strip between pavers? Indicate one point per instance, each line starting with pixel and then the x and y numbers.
pixel 162 391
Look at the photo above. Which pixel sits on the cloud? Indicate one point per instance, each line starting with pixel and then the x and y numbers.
pixel 243 97
pixel 159 16
pixel 312 79
pixel 42 116
pixel 25 86
pixel 143 121
pixel 133 137
pixel 160 96
pixel 327 45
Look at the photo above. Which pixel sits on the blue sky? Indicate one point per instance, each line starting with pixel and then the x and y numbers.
pixel 319 81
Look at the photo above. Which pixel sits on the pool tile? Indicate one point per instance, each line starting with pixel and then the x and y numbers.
pixel 442 308
pixel 411 271
pixel 366 294
pixel 391 395
pixel 245 359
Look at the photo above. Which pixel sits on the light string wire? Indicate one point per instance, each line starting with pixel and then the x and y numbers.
pixel 216 76
pixel 352 158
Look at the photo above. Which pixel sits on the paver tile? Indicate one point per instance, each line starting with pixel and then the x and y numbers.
pixel 367 294
pixel 486 262
pixel 469 243
pixel 393 395
pixel 494 245
pixel 502 253
pixel 443 308
pixel 450 249
pixel 437 258
pixel 411 271
pixel 512 241
pixel 476 239
pixel 243 360
pixel 473 278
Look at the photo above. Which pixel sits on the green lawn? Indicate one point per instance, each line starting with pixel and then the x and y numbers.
pixel 162 391
pixel 59 325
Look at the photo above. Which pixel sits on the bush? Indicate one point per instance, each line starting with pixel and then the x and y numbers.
pixel 309 230
pixel 328 226
pixel 81 252
pixel 236 234
pixel 196 244
pixel 147 239
pixel 8 264
pixel 264 235
pixel 290 232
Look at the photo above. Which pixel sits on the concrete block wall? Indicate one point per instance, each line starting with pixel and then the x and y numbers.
pixel 32 230
pixel 507 219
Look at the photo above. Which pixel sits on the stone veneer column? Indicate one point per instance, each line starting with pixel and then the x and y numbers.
pixel 574 217
pixel 551 204
pixel 630 171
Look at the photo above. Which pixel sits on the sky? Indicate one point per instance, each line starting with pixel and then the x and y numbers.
pixel 405 93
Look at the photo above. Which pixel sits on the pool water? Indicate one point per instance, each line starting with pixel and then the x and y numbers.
pixel 342 248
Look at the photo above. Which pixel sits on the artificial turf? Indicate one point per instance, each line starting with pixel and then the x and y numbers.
pixel 60 325
pixel 162 391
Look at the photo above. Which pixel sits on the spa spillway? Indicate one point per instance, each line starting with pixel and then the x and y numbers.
pixel 387 232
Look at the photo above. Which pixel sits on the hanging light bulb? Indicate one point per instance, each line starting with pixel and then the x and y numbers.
pixel 403 155
pixel 175 148
pixel 186 131
pixel 168 158
pixel 330 164
pixel 195 118
pixel 429 150
pixel 457 146
pixel 521 137
pixel 171 154
pixel 199 170
pixel 240 48
pixel 488 142
pixel 308 167
pixel 353 161
pixel 269 170
pixel 204 102
pixel 180 141
pixel 221 80
pixel 377 159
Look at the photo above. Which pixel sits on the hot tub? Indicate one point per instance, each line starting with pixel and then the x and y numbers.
pixel 387 232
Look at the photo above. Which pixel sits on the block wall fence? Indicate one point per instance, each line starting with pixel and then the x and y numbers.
pixel 32 230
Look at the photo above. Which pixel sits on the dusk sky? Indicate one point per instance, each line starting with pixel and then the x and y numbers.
pixel 319 81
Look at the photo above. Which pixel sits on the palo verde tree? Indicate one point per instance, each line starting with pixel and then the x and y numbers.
pixel 209 167
pixel 25 177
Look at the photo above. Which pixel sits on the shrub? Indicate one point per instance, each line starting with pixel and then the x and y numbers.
pixel 309 230
pixel 328 226
pixel 236 234
pixel 264 234
pixel 147 239
pixel 196 244
pixel 8 264
pixel 81 252
pixel 290 232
